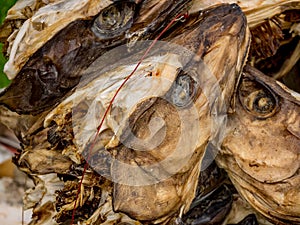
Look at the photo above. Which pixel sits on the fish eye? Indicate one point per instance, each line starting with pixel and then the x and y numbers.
pixel 114 20
pixel 257 99
pixel 183 90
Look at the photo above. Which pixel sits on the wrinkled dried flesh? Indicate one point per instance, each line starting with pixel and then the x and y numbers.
pixel 164 198
pixel 261 151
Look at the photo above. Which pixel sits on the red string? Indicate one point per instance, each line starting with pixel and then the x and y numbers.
pixel 10 148
pixel 178 17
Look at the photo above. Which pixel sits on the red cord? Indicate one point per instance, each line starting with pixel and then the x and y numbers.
pixel 178 17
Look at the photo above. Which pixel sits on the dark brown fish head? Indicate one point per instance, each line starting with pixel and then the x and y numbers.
pixel 61 39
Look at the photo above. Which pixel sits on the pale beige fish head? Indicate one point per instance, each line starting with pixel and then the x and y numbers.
pixel 262 149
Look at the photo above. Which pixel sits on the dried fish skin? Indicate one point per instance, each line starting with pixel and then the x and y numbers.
pixel 261 151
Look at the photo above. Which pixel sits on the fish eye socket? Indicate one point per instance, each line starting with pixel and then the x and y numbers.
pixel 257 99
pixel 183 90
pixel 114 20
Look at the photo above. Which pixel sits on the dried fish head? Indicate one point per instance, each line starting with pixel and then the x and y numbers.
pixel 262 149
pixel 172 107
pixel 62 38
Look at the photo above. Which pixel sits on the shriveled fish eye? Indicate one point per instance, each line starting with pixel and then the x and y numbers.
pixel 114 20
pixel 183 90
pixel 258 99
